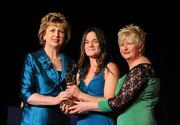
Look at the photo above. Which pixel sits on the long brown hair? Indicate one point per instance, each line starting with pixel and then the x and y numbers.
pixel 102 58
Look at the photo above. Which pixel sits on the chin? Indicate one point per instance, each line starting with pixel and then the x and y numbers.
pixel 127 58
pixel 91 54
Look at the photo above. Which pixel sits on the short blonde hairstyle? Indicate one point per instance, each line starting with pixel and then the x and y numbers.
pixel 128 30
pixel 53 18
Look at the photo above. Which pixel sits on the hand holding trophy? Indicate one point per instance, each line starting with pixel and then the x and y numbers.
pixel 70 79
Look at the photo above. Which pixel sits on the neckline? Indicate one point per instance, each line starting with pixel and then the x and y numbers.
pixel 149 64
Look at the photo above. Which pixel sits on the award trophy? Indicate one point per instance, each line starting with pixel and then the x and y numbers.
pixel 70 80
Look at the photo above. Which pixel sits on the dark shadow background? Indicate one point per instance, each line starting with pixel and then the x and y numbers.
pixel 20 23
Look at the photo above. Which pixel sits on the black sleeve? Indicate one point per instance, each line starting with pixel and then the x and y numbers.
pixel 133 85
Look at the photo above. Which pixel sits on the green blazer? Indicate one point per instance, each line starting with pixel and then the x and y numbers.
pixel 136 97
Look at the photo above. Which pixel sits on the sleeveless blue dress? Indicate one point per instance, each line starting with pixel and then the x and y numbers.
pixel 94 88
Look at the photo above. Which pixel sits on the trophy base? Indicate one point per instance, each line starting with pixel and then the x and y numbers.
pixel 68 102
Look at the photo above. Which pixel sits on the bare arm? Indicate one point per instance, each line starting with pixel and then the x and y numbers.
pixel 111 76
pixel 37 99
pixel 111 79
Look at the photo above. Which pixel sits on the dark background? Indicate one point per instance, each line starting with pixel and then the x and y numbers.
pixel 20 23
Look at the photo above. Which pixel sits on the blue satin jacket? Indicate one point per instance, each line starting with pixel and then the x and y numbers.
pixel 39 76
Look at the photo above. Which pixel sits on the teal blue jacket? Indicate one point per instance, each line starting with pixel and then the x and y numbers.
pixel 39 76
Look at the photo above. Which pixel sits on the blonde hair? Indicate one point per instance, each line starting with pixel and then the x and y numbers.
pixel 128 30
pixel 53 18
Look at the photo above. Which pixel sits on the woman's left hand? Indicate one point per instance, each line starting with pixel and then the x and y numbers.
pixel 79 108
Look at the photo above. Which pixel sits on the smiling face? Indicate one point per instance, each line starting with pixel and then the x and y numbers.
pixel 58 21
pixel 91 46
pixel 54 35
pixel 129 47
pixel 131 40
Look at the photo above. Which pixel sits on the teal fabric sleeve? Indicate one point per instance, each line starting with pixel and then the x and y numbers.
pixel 104 106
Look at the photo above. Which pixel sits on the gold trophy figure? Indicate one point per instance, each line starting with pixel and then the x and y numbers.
pixel 69 79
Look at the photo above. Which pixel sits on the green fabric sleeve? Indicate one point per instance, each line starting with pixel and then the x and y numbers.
pixel 104 106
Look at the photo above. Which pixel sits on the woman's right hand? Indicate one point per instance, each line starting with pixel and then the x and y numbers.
pixel 73 90
pixel 64 95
